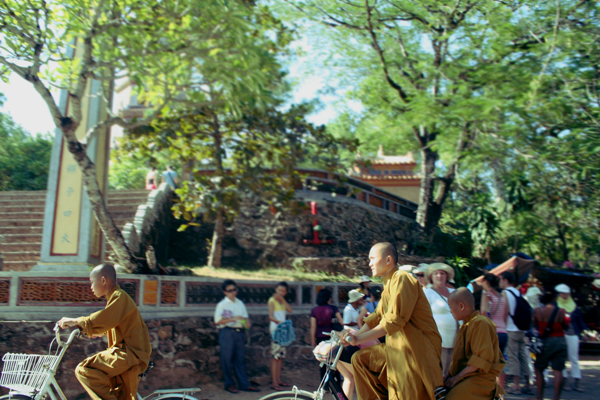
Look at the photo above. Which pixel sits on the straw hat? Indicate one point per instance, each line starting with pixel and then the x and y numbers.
pixel 406 268
pixel 420 269
pixel 354 295
pixel 440 266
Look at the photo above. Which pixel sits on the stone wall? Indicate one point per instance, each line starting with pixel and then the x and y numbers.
pixel 185 351
pixel 258 236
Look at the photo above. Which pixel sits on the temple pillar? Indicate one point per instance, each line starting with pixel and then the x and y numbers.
pixel 72 239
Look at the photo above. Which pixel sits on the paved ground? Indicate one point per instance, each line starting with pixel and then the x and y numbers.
pixel 308 379
pixel 590 382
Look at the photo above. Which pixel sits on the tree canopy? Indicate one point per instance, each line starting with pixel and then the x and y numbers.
pixel 171 53
pixel 24 159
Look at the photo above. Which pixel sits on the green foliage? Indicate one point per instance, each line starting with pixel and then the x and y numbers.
pixel 128 169
pixel 463 270
pixel 24 159
pixel 454 80
pixel 259 153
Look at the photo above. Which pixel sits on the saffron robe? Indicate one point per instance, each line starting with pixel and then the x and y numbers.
pixel 113 373
pixel 408 365
pixel 476 344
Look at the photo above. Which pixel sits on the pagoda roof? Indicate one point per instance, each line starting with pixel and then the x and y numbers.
pixel 388 177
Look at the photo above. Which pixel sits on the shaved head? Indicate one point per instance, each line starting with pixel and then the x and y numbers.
pixel 106 270
pixel 462 295
pixel 387 249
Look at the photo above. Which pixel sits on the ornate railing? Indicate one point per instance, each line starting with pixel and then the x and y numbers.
pixel 50 295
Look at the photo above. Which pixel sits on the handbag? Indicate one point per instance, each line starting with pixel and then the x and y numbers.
pixel 536 342
pixel 284 334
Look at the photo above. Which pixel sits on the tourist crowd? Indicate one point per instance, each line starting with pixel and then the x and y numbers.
pixel 420 337
pixel 417 338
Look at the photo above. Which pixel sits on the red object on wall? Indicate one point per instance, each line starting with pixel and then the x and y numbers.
pixel 316 240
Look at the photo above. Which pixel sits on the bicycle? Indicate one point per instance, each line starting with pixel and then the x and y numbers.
pixel 334 386
pixel 32 376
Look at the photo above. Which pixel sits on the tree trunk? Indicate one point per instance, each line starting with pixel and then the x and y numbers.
pixel 431 198
pixel 216 250
pixel 427 186
pixel 90 183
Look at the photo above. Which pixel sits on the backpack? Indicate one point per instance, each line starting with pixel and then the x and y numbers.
pixel 523 316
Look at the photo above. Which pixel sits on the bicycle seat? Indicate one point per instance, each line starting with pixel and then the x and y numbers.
pixel 150 366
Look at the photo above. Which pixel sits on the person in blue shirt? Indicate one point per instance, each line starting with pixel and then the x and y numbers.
pixel 170 177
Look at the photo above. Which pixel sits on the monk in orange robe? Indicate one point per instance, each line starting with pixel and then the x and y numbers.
pixel 408 365
pixel 477 360
pixel 113 373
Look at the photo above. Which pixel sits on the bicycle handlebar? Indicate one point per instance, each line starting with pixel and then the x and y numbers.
pixel 71 336
pixel 348 339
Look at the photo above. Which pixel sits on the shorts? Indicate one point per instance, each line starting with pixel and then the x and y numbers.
pixel 554 354
pixel 347 353
pixel 278 351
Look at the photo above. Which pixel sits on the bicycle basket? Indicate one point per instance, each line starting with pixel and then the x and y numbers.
pixel 26 373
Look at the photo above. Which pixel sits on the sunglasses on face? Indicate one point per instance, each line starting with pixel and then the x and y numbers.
pixel 421 275
pixel 230 290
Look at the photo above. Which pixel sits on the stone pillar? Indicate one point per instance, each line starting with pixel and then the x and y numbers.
pixel 72 239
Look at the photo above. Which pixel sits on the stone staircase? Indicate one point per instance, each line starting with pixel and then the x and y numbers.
pixel 22 220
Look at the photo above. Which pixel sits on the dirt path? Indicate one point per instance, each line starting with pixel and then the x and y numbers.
pixel 308 379
pixel 305 379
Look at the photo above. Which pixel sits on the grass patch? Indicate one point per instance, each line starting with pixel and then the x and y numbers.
pixel 272 274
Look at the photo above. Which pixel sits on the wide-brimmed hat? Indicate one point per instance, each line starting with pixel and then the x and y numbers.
pixel 406 268
pixel 562 288
pixel 440 266
pixel 354 295
pixel 364 279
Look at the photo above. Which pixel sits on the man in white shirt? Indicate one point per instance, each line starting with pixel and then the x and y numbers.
pixel 231 317
pixel 516 349
pixel 352 310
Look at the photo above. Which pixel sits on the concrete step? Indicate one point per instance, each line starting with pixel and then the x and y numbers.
pixel 130 207
pixel 23 203
pixel 21 230
pixel 21 222
pixel 23 193
pixel 21 255
pixel 23 214
pixel 12 247
pixel 22 238
pixel 20 207
pixel 19 265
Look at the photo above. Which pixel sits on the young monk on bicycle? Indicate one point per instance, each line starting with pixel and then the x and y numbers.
pixel 113 373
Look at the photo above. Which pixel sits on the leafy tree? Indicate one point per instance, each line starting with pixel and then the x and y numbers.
pixel 169 50
pixel 233 159
pixel 437 73
pixel 24 159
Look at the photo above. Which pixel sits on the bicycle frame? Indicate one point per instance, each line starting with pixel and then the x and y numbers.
pixel 51 388
pixel 328 379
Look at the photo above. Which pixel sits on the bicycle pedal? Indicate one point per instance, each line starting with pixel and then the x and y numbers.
pixel 440 393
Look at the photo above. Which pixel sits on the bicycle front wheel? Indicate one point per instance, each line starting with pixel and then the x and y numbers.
pixel 16 397
pixel 301 395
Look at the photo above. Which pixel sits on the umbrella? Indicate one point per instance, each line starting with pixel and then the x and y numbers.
pixel 520 267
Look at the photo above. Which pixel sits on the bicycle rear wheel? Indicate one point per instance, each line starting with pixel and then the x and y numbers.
pixel 301 395
pixel 175 397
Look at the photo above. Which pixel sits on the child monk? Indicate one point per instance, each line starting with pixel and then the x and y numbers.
pixel 477 360
pixel 113 373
